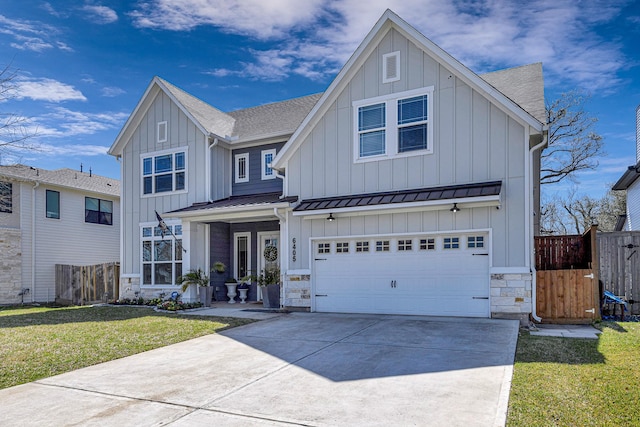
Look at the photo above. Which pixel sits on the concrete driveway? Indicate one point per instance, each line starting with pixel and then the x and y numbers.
pixel 302 369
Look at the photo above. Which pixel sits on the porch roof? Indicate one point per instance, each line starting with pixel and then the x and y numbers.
pixel 421 195
pixel 234 203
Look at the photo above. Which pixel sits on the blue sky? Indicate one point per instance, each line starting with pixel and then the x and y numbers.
pixel 83 65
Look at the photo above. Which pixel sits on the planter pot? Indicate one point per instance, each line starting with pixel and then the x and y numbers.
pixel 206 294
pixel 221 293
pixel 231 292
pixel 243 294
pixel 271 296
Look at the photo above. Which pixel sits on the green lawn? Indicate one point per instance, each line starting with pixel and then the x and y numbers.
pixel 41 342
pixel 578 382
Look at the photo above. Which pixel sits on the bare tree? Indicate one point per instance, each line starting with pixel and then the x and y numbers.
pixel 572 144
pixel 575 214
pixel 14 128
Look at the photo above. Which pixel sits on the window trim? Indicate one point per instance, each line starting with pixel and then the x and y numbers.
pixel 263 156
pixel 235 252
pixel 391 148
pixel 165 132
pixel 46 204
pixel 152 155
pixel 236 173
pixel 153 238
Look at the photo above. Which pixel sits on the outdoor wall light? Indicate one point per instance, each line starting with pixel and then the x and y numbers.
pixel 330 217
pixel 455 208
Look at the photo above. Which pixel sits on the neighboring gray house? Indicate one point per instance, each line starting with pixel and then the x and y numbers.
pixel 408 187
pixel 629 181
pixel 53 217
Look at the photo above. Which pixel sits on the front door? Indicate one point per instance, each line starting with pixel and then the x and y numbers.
pixel 268 253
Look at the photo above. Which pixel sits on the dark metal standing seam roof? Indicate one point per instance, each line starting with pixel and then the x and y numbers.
pixel 491 188
pixel 238 201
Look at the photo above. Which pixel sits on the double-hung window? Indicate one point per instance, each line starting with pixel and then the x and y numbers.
pixel 98 211
pixel 161 254
pixel 394 125
pixel 53 204
pixel 164 172
pixel 6 197
pixel 267 158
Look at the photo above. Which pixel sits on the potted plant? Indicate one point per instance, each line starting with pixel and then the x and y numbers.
pixel 231 284
pixel 269 281
pixel 243 288
pixel 218 267
pixel 198 278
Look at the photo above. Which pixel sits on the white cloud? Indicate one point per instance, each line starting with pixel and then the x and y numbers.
pixel 47 90
pixel 100 14
pixel 62 122
pixel 31 35
pixel 111 92
pixel 317 39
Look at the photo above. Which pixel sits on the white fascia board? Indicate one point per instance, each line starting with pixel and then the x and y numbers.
pixel 463 203
pixel 245 211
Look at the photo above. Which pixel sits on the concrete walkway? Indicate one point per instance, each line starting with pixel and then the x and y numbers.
pixel 295 369
pixel 566 331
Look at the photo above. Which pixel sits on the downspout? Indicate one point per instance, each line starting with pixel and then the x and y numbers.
pixel 33 242
pixel 119 160
pixel 533 259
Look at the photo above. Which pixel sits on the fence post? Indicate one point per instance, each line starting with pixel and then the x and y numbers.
pixel 595 267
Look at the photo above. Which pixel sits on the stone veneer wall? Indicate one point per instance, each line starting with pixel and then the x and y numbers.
pixel 298 291
pixel 511 296
pixel 11 266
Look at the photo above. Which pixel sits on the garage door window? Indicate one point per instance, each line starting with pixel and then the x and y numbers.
pixel 362 246
pixel 451 243
pixel 324 248
pixel 342 247
pixel 427 244
pixel 475 242
pixel 382 246
pixel 405 245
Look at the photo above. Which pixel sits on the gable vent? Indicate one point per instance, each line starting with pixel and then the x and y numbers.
pixel 391 67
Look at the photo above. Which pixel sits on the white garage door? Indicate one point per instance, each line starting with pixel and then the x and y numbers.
pixel 445 275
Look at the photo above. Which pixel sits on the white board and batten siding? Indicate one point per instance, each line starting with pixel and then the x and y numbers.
pixel 184 135
pixel 473 141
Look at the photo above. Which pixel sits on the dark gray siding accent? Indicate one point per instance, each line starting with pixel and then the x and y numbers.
pixel 221 249
pixel 255 185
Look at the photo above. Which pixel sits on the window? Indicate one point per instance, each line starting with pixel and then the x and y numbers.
pixel 427 244
pixel 242 259
pixel 475 242
pixel 362 246
pixel 405 245
pixel 342 247
pixel 242 167
pixel 393 125
pixel 6 197
pixel 53 204
pixel 267 158
pixel 164 173
pixel 162 132
pixel 382 246
pixel 161 255
pixel 98 211
pixel 324 248
pixel 451 242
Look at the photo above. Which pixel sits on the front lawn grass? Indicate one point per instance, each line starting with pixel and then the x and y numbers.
pixel 39 342
pixel 577 382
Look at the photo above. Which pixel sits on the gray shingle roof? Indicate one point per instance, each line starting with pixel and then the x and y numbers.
pixel 277 118
pixel 68 178
pixel 406 196
pixel 523 85
pixel 212 119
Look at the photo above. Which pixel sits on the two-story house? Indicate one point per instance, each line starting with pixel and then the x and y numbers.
pixel 409 186
pixel 50 217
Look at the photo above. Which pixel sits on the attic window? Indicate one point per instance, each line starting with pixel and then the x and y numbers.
pixel 162 132
pixel 391 67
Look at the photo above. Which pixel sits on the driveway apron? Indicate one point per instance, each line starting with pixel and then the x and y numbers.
pixel 306 369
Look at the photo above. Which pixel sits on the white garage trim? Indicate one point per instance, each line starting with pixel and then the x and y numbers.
pixel 430 281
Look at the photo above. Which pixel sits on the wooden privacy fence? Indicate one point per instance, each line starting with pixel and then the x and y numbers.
pixel 87 284
pixel 567 278
pixel 619 253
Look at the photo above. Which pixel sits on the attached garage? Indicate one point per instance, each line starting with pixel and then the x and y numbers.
pixel 438 275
